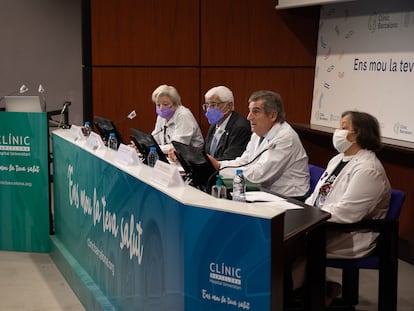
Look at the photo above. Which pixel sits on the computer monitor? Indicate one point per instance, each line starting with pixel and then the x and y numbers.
pixel 144 141
pixel 106 126
pixel 23 103
pixel 197 165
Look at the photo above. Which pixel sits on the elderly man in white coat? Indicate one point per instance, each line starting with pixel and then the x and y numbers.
pixel 274 156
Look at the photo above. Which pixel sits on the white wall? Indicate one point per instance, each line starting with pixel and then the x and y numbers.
pixel 40 43
pixel 365 61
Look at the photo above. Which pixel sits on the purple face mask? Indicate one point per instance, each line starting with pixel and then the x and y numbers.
pixel 214 116
pixel 165 113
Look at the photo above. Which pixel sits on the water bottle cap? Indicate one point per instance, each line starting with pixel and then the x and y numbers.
pixel 153 148
pixel 87 123
pixel 219 181
pixel 112 134
pixel 239 171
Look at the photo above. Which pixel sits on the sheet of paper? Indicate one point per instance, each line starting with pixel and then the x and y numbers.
pixel 285 205
pixel 261 196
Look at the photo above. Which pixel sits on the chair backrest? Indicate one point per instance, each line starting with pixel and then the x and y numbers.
pixel 315 173
pixel 396 203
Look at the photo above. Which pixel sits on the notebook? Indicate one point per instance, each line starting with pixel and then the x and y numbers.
pixel 23 103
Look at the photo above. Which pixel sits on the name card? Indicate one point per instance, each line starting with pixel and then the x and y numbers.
pixel 95 142
pixel 76 133
pixel 166 175
pixel 127 155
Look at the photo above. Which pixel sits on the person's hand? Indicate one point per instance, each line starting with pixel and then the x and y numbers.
pixel 132 145
pixel 213 161
pixel 172 156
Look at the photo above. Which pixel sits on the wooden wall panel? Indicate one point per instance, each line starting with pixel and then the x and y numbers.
pixel 293 84
pixel 117 91
pixel 253 33
pixel 135 32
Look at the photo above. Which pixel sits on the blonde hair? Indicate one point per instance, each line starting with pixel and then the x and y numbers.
pixel 169 91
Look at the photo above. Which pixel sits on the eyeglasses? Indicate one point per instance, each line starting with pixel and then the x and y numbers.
pixel 212 105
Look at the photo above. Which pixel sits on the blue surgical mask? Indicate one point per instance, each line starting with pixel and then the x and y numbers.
pixel 214 116
pixel 165 113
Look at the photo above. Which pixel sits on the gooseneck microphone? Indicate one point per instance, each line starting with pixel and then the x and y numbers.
pixel 271 146
pixel 160 131
pixel 41 90
pixel 130 116
pixel 163 129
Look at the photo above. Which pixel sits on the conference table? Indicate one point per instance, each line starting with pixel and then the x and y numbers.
pixel 125 241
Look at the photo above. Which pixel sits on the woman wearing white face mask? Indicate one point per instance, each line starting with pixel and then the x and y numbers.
pixel 354 185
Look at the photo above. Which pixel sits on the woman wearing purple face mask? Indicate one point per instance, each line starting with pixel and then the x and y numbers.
pixel 174 121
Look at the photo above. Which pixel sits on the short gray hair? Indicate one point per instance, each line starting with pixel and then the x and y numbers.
pixel 169 91
pixel 223 92
pixel 272 102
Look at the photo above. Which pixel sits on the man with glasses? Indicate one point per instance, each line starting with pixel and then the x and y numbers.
pixel 274 157
pixel 229 132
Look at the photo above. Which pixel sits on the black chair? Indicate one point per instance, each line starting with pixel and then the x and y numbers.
pixel 384 259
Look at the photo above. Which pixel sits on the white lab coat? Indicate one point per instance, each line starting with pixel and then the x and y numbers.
pixel 283 168
pixel 181 127
pixel 360 191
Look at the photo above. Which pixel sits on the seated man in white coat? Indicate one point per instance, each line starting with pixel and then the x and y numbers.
pixel 274 157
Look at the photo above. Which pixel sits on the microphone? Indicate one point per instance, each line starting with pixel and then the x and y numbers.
pixel 21 90
pixel 130 116
pixel 41 90
pixel 156 133
pixel 269 147
pixel 164 128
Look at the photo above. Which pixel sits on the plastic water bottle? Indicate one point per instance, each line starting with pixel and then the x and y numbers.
pixel 87 129
pixel 219 190
pixel 239 186
pixel 152 157
pixel 112 141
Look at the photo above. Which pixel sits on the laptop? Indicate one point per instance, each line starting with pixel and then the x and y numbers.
pixel 196 165
pixel 23 103
pixel 143 141
pixel 105 127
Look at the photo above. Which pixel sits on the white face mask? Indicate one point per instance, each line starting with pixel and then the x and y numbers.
pixel 339 140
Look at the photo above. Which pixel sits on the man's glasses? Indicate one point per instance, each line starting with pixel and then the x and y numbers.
pixel 211 105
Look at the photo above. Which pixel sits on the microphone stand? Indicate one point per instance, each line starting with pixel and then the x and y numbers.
pixel 64 113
